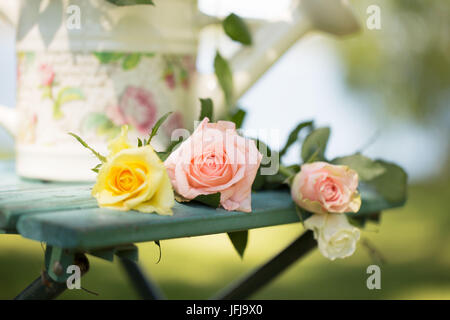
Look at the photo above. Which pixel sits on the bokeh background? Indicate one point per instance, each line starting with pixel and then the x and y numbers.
pixel 386 92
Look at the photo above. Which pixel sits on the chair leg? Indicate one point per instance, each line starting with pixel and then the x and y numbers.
pixel 145 288
pixel 45 288
pixel 270 270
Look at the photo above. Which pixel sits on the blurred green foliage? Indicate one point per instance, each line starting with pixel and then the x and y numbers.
pixel 404 66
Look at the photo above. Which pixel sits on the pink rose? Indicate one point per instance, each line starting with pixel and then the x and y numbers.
pixel 321 187
pixel 215 159
pixel 47 75
pixel 136 107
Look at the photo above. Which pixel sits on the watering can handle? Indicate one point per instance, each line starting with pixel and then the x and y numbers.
pixel 8 119
pixel 8 116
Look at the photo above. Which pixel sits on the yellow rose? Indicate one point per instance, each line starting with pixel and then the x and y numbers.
pixel 133 178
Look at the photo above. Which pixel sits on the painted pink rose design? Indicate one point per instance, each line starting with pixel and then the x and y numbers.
pixel 47 75
pixel 189 63
pixel 185 82
pixel 215 159
pixel 18 73
pixel 114 114
pixel 169 78
pixel 137 108
pixel 321 187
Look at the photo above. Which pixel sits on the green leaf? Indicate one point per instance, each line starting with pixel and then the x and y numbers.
pixel 102 124
pixel 366 168
pixel 47 92
pixel 163 155
pixel 238 117
pixel 96 169
pixel 130 2
pixel 160 251
pixel 107 57
pixel 260 180
pixel 360 221
pixel 386 191
pixel 156 127
pixel 315 144
pixel 391 185
pixel 293 136
pixel 267 182
pixel 225 77
pixel 294 168
pixel 57 113
pixel 65 95
pixel 207 109
pixel 131 61
pixel 302 214
pixel 139 143
pixel 258 183
pixel 236 29
pixel 68 94
pixel 84 144
pixel 172 146
pixel 95 120
pixel 275 181
pixel 239 240
pixel 212 200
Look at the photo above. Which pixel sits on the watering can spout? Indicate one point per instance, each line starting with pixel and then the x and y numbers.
pixel 273 39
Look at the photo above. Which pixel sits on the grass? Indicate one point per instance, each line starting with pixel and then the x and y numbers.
pixel 414 240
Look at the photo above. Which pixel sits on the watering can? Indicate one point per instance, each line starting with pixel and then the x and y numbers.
pixel 89 67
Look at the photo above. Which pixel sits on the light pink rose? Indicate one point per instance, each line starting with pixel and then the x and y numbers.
pixel 47 74
pixel 321 187
pixel 136 107
pixel 215 159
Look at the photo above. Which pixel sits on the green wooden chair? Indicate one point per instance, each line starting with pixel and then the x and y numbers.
pixel 67 219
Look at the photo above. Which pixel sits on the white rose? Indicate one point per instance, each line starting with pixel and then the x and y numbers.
pixel 336 237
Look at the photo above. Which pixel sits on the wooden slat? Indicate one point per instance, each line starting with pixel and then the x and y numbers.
pixel 46 198
pixel 20 196
pixel 97 228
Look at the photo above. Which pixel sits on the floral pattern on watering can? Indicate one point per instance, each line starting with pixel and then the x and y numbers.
pixel 96 93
